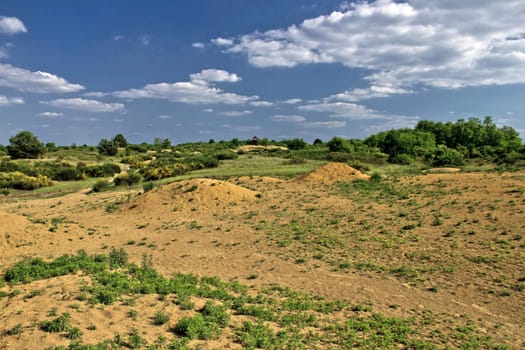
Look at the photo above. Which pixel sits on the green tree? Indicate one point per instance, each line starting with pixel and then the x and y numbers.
pixel 107 147
pixel 25 145
pixel 120 140
pixel 338 144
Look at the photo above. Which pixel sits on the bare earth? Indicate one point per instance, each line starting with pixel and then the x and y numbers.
pixel 450 244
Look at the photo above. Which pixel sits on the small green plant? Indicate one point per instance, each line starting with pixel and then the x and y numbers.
pixel 59 324
pixel 117 258
pixel 135 341
pixel 160 318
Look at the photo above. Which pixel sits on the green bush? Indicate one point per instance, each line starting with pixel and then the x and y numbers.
pixel 197 327
pixel 101 186
pixel 128 179
pixel 444 156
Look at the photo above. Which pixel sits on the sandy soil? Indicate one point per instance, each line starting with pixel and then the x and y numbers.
pixel 463 233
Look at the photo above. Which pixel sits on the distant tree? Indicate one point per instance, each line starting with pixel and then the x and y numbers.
pixel 107 147
pixel 318 142
pixel 25 145
pixel 295 144
pixel 338 144
pixel 120 140
pixel 51 147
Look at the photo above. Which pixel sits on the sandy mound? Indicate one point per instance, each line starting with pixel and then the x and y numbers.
pixel 195 193
pixel 332 172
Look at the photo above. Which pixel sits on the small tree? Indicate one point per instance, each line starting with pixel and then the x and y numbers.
pixel 25 145
pixel 120 140
pixel 107 147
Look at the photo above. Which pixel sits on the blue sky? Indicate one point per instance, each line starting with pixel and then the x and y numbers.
pixel 77 72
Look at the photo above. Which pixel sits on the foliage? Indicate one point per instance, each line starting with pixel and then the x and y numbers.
pixel 120 141
pixel 25 145
pixel 59 324
pixel 20 181
pixel 107 147
pixel 128 179
pixel 445 156
pixel 295 144
pixel 338 144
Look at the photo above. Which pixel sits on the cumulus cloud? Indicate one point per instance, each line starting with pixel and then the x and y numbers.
pixel 341 109
pixel 9 101
pixel 236 113
pixel 81 104
pixel 11 25
pixel 288 118
pixel 39 82
pixel 198 45
pixel 199 90
pixel 292 101
pixel 373 91
pixel 261 103
pixel 222 41
pixel 438 43
pixel 214 75
pixel 50 114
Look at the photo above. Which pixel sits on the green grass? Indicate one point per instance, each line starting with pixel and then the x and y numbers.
pixel 274 318
pixel 255 165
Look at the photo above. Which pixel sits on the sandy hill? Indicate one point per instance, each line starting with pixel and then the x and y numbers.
pixel 332 172
pixel 195 193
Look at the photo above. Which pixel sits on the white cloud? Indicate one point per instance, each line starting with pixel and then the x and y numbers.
pixel 261 103
pixel 11 25
pixel 214 75
pixel 208 110
pixel 333 124
pixel 222 41
pixel 198 45
pixel 342 110
pixel 288 118
pixel 200 90
pixel 118 37
pixel 50 114
pixel 164 117
pixel 373 91
pixel 292 101
pixel 95 94
pixel 394 122
pixel 9 101
pixel 40 82
pixel 438 43
pixel 81 104
pixel 236 113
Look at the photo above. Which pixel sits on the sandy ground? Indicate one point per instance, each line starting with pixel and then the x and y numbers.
pixel 235 229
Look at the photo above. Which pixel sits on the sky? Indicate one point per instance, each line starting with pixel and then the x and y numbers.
pixel 74 72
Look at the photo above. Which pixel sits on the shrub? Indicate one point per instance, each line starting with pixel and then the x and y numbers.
pixel 107 147
pixel 101 186
pixel 117 258
pixel 20 181
pixel 128 179
pixel 444 156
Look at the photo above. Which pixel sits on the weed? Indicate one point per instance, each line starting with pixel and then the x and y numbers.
pixel 160 318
